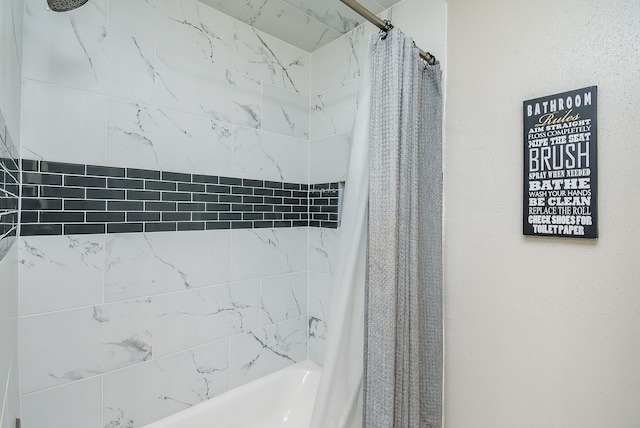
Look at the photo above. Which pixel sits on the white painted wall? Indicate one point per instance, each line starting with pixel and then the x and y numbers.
pixel 540 332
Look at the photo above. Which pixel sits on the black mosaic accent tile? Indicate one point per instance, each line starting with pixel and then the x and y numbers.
pixel 125 183
pixel 135 216
pixel 217 225
pixel 106 171
pixel 59 192
pixel 77 229
pixel 231 181
pixel 143 173
pixel 208 179
pixel 213 216
pixel 160 227
pixel 176 216
pixel 116 194
pixel 160 206
pixel 125 227
pixel 85 205
pixel 36 178
pixel 176 196
pixel 79 181
pixel 160 185
pixel 63 198
pixel 125 206
pixel 62 168
pixel 105 217
pixel 40 229
pixel 204 197
pixel 176 176
pixel 143 195
pixel 230 198
pixel 194 225
pixel 30 165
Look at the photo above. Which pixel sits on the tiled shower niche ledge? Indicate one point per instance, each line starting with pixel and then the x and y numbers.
pixel 65 198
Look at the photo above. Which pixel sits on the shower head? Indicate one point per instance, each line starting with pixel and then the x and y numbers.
pixel 65 5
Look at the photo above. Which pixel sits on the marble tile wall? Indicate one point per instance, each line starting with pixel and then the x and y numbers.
pixel 10 92
pixel 151 330
pixel 121 329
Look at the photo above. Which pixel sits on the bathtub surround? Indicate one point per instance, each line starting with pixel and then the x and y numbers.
pixel 168 212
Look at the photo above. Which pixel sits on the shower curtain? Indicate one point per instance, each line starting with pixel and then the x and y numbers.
pixel 383 361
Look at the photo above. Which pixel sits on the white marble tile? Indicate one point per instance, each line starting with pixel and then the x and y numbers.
pixel 270 60
pixel 279 19
pixel 320 295
pixel 323 250
pixel 268 156
pixel 285 112
pixel 387 3
pixel 11 400
pixel 68 51
pixel 62 124
pixel 263 351
pixel 333 111
pixel 96 11
pixel 198 87
pixel 195 317
pixel 258 253
pixel 339 17
pixel 76 405
pixel 329 158
pixel 141 136
pixel 339 61
pixel 188 26
pixel 8 326
pixel 283 298
pixel 11 28
pixel 144 264
pixel 62 347
pixel 144 393
pixel 60 272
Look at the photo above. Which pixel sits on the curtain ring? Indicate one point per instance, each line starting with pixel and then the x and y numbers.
pixel 384 32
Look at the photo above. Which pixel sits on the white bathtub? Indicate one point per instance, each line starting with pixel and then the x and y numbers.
pixel 283 399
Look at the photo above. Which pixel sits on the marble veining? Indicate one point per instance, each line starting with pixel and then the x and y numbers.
pixel 320 300
pixel 283 297
pixel 187 26
pixel 285 112
pixel 50 266
pixel 143 264
pixel 208 314
pixel 147 137
pixel 96 58
pixel 323 250
pixel 270 60
pixel 263 155
pixel 144 393
pixel 261 351
pixel 198 87
pixel 266 252
pixel 62 347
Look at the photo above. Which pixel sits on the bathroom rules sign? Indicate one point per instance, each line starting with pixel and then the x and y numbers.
pixel 560 165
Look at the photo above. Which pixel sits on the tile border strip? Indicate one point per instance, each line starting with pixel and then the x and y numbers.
pixel 67 198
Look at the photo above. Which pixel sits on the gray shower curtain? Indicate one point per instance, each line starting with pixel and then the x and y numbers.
pixel 403 295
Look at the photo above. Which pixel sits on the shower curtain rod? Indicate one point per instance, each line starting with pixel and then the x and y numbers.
pixel 383 25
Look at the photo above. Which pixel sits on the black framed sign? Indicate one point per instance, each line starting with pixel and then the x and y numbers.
pixel 560 165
